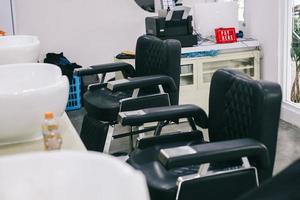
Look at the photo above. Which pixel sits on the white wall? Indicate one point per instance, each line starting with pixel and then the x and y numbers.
pixel 262 23
pixel 94 31
pixel 265 21
pixel 87 31
pixel 6 17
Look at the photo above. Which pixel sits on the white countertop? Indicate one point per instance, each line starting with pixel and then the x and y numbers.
pixel 242 44
pixel 71 141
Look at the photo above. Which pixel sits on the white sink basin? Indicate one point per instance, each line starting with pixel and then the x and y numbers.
pixel 19 49
pixel 27 91
pixel 69 175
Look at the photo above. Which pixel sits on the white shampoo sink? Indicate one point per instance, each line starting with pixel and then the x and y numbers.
pixel 27 91
pixel 19 49
pixel 69 175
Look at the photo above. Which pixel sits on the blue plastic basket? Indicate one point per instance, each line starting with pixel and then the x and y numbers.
pixel 74 102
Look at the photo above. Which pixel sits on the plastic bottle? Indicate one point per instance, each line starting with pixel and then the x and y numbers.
pixel 2 33
pixel 51 134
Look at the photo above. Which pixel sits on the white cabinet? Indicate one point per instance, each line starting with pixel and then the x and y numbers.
pixel 204 67
pixel 196 73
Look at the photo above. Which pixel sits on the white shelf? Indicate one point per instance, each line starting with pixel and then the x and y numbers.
pixel 232 68
pixel 242 45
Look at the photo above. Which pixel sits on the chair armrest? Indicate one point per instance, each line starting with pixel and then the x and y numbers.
pixel 186 137
pixel 139 117
pixel 126 69
pixel 214 152
pixel 142 82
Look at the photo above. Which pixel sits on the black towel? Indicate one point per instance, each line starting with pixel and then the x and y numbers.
pixel 65 65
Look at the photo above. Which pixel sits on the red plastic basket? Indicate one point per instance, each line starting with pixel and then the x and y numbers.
pixel 225 35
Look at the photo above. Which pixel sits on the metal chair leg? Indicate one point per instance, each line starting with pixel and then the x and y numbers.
pixel 109 138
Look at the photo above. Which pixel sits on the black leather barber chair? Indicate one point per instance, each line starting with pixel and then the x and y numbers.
pixel 242 125
pixel 284 186
pixel 155 77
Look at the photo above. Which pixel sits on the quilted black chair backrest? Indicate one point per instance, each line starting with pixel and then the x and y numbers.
pixel 240 107
pixel 155 56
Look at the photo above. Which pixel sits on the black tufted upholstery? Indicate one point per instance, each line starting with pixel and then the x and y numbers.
pixel 238 110
pixel 248 110
pixel 239 107
pixel 154 56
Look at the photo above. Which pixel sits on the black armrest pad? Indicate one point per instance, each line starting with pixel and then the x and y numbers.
pixel 192 137
pixel 106 68
pixel 136 118
pixel 142 82
pixel 214 152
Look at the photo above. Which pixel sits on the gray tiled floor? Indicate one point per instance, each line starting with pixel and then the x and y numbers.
pixel 288 145
pixel 288 148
